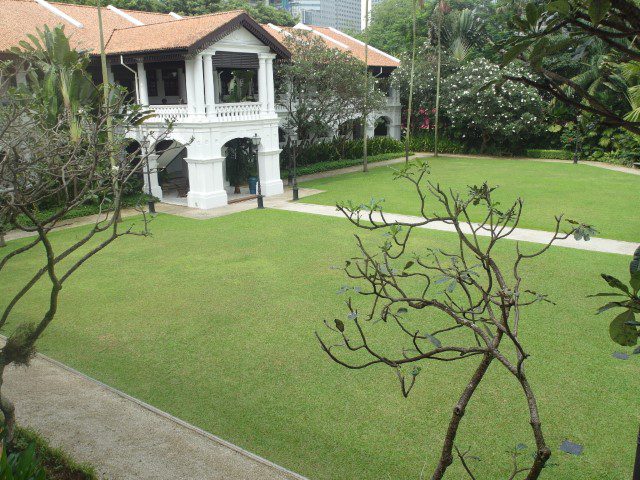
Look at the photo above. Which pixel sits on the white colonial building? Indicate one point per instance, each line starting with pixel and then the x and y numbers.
pixel 211 75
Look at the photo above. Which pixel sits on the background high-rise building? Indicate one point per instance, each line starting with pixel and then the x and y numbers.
pixel 340 14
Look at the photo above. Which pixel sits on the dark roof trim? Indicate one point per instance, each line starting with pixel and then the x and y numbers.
pixel 242 20
pixel 148 57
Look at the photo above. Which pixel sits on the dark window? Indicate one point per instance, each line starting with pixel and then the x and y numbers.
pixel 170 79
pixel 152 82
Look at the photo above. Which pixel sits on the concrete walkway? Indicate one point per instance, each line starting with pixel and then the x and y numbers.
pixel 520 234
pixel 124 438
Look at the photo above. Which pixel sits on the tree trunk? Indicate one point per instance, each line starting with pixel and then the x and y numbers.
pixel 446 457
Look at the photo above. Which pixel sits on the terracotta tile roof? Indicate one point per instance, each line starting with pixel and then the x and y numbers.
pixel 175 34
pixel 160 32
pixel 20 17
pixel 340 41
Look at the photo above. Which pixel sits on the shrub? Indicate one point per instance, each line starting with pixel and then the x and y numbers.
pixel 341 149
pixel 35 454
pixel 425 143
pixel 550 154
pixel 496 120
pixel 336 164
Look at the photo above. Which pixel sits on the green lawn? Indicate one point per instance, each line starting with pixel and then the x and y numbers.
pixel 213 321
pixel 604 198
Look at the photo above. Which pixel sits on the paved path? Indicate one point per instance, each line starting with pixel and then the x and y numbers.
pixel 521 234
pixel 122 437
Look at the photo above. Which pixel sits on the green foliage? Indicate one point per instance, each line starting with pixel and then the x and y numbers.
pixel 337 164
pixel 322 87
pixel 22 465
pixel 504 118
pixel 55 462
pixel 550 154
pixel 259 11
pixel 623 329
pixel 341 149
pixel 424 142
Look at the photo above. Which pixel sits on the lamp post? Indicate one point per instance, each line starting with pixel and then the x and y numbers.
pixel 255 140
pixel 293 138
pixel 150 203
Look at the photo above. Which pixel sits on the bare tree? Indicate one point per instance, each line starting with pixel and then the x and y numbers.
pixel 456 305
pixel 61 161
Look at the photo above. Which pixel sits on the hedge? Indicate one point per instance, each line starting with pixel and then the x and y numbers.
pixel 86 209
pixel 341 149
pixel 336 164
pixel 550 154
pixel 425 143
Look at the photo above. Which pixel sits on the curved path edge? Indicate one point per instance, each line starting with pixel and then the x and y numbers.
pixel 121 436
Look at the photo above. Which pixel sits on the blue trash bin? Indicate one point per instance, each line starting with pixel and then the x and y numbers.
pixel 253 181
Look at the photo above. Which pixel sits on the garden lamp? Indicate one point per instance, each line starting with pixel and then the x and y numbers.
pixel 255 141
pixel 145 150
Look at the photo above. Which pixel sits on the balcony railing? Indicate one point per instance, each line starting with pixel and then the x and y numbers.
pixel 222 112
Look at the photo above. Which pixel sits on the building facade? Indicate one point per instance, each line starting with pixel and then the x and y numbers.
pixel 211 76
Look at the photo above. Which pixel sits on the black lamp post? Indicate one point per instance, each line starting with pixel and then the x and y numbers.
pixel 255 140
pixel 293 137
pixel 150 203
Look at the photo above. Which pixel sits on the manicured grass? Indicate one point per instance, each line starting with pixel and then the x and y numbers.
pixel 214 322
pixel 603 198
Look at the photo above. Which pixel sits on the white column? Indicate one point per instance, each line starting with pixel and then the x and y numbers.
pixel 110 78
pixel 142 84
pixel 209 85
pixel 271 95
pixel 262 82
pixel 190 84
pixel 152 175
pixel 269 162
pixel 199 85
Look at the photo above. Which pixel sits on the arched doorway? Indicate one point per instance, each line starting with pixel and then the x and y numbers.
pixel 382 127
pixel 240 169
pixel 172 170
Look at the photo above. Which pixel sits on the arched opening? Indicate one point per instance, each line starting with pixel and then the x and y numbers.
pixel 240 169
pixel 382 127
pixel 172 170
pixel 351 129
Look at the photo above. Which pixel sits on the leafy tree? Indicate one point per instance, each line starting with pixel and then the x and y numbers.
pixel 40 157
pixel 504 117
pixel 547 30
pixel 322 87
pixel 459 305
pixel 390 29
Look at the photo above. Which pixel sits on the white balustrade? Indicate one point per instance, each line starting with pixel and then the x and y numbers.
pixel 221 112
pixel 173 113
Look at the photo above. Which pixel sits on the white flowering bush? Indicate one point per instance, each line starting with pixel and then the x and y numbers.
pixel 499 119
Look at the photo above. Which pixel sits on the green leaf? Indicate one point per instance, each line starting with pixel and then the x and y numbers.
pixel 634 266
pixel 608 306
pixel 598 10
pixel 437 343
pixel 408 265
pixel 635 281
pixel 555 128
pixel 532 13
pixel 615 283
pixel 339 325
pixel 560 6
pixel 515 50
pixel 622 333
